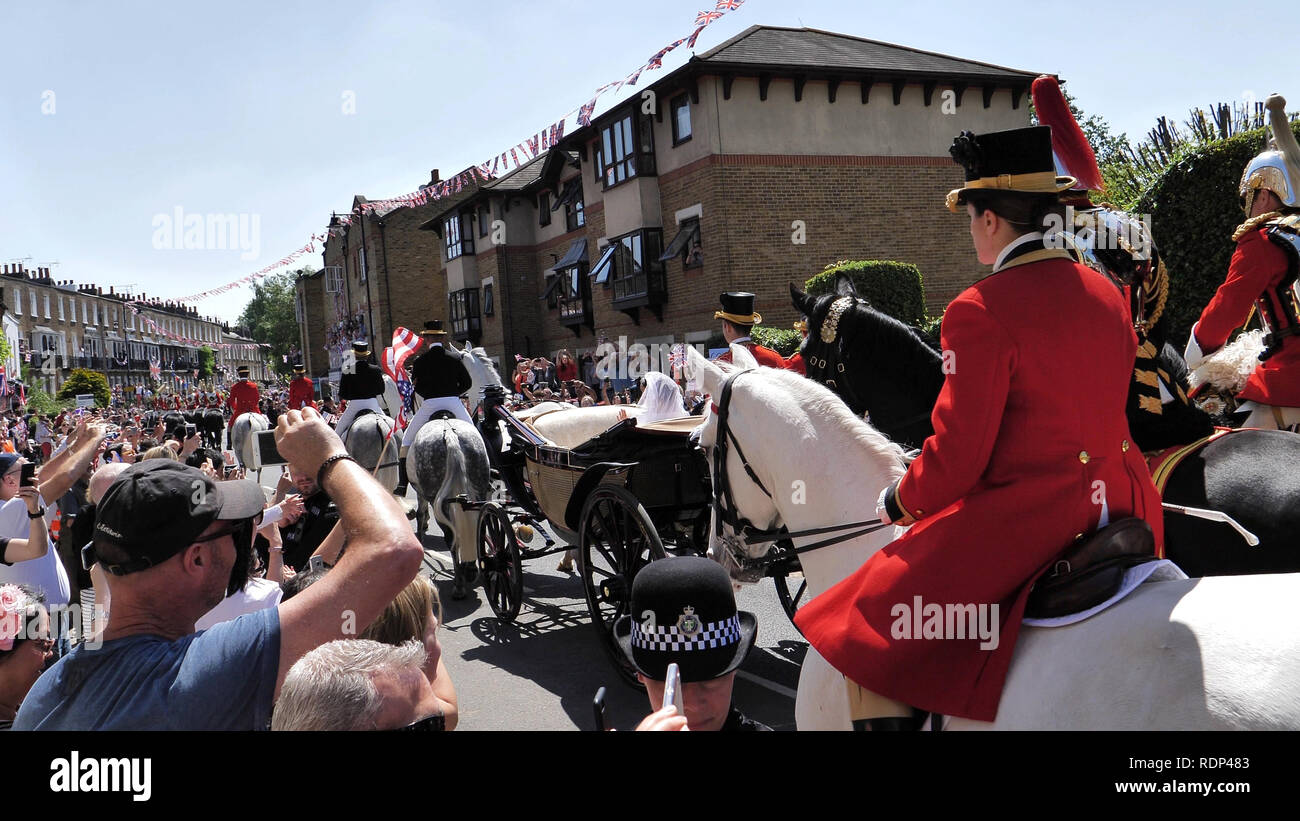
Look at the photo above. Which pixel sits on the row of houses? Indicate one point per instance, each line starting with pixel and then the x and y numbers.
pixel 752 166
pixel 55 326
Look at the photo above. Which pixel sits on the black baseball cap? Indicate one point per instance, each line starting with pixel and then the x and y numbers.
pixel 159 507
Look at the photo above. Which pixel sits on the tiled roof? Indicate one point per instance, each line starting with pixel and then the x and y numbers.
pixel 817 49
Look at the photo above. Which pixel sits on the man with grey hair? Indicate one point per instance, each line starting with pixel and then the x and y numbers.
pixel 358 684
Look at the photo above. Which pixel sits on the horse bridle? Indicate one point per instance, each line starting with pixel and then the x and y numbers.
pixel 834 361
pixel 724 505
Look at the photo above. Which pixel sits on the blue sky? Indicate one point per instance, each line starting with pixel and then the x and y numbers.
pixel 237 108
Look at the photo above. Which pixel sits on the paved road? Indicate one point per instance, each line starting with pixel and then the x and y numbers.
pixel 541 672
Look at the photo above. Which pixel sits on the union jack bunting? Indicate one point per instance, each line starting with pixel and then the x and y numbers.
pixel 706 17
pixel 729 5
pixel 584 113
pixel 691 42
pixel 155 369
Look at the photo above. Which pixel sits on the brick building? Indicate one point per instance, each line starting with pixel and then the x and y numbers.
pixel 758 163
pixel 62 326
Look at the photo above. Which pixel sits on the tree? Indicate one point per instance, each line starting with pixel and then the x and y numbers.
pixel 207 362
pixel 84 381
pixel 270 317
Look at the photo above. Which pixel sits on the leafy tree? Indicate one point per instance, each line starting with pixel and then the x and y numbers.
pixel 269 316
pixel 84 381
pixel 207 362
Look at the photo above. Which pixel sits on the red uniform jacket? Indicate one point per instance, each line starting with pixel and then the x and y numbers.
pixel 1017 467
pixel 1257 266
pixel 300 393
pixel 795 363
pixel 243 398
pixel 765 356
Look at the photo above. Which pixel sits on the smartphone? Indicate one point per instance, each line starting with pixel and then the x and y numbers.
pixel 673 689
pixel 315 563
pixel 265 452
pixel 190 429
pixel 598 709
pixel 28 475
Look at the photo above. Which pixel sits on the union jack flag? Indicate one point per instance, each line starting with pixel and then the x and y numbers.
pixel 584 113
pixel 155 369
pixel 706 17
pixel 729 5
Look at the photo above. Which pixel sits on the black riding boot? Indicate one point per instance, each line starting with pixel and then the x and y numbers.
pixel 400 490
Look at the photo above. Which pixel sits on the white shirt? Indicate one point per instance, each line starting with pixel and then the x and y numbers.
pixel 258 594
pixel 44 573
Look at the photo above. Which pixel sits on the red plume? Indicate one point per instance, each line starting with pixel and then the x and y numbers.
pixel 1068 143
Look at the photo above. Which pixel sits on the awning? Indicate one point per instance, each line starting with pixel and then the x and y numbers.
pixel 42 329
pixel 569 193
pixel 688 231
pixel 577 253
pixel 606 262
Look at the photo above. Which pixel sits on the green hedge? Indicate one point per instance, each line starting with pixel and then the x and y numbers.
pixel 892 287
pixel 784 342
pixel 1194 208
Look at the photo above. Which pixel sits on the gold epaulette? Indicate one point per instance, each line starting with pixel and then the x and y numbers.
pixel 1253 223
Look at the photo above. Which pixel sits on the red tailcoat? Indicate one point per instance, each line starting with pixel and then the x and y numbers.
pixel 765 356
pixel 243 398
pixel 301 393
pixel 795 363
pixel 1257 266
pixel 1021 456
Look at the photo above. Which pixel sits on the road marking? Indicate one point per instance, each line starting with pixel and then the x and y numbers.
pixel 770 685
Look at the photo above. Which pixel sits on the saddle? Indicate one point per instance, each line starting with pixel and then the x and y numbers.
pixel 1091 570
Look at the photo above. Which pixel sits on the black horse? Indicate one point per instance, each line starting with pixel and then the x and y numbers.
pixel 212 424
pixel 893 374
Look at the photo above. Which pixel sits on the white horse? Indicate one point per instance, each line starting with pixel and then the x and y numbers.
pixel 243 437
pixel 1208 653
pixel 372 441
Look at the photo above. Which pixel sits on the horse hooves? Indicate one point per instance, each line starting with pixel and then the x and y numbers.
pixel 458 591
pixel 566 567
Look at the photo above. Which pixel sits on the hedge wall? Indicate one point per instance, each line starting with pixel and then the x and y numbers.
pixel 892 287
pixel 1195 209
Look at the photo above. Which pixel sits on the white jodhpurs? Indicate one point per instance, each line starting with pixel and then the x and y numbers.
pixel 428 409
pixel 355 406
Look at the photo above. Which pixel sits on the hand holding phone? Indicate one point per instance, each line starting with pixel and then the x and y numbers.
pixel 28 475
pixel 673 689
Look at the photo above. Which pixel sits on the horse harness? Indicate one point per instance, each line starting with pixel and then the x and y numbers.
pixel 724 504
pixel 834 361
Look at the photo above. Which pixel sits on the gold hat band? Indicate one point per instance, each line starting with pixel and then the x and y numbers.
pixel 739 319
pixel 1038 182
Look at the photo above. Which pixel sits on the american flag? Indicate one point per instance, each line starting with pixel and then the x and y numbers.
pixel 405 343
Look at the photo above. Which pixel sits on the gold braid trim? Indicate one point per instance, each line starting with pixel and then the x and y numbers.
pixel 1253 223
pixel 1162 296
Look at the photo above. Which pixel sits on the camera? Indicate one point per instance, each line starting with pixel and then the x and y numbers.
pixel 264 451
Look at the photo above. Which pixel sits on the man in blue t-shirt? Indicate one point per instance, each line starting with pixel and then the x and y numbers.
pixel 174 544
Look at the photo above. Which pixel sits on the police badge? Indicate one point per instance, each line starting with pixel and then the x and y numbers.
pixel 688 624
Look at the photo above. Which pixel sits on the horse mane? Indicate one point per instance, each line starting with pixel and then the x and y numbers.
pixel 480 355
pixel 822 404
pixel 895 348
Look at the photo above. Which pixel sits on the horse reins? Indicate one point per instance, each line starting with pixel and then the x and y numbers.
pixel 725 506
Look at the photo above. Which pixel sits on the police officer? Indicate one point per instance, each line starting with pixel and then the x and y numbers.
pixel 361 384
pixel 440 379
pixel 1262 274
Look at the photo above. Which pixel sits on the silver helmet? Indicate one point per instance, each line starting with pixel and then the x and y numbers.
pixel 1278 168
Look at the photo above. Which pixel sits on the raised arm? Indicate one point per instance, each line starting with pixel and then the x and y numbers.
pixel 383 553
pixel 58 475
pixel 37 541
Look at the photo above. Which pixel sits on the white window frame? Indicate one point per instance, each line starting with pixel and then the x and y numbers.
pixel 18 301
pixel 47 306
pixel 60 299
pixel 35 315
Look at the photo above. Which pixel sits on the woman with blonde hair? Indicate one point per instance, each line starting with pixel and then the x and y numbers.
pixel 414 614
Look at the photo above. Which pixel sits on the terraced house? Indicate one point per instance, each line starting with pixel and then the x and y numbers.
pixel 754 165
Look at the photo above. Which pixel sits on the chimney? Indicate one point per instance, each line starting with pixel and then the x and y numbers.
pixel 433 177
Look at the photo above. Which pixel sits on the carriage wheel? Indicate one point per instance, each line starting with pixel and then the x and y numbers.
pixel 498 562
pixel 791 589
pixel 617 539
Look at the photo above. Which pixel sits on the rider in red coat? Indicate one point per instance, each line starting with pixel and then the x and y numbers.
pixel 243 397
pixel 1262 275
pixel 1022 461
pixel 301 393
pixel 738 319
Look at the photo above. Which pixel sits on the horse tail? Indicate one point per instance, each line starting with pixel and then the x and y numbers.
pixel 454 469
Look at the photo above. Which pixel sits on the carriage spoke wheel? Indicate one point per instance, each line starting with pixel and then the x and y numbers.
pixel 791 588
pixel 499 563
pixel 617 539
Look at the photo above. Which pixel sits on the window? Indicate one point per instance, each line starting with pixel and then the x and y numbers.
pixel 454 244
pixel 686 245
pixel 361 264
pixel 95 313
pixel 465 322
pixel 488 305
pixel 605 264
pixel 18 301
pixel 33 303
pixel 552 283
pixel 637 272
pixel 681 113
pixel 573 214
pixel 60 299
pixel 574 294
pixel 625 149
pixel 47 306
pixel 484 219
pixel 544 208
pixel 85 313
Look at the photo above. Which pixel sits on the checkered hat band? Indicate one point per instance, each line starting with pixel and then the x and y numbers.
pixel 669 638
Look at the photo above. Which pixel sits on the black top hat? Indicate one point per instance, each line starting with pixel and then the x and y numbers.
pixel 361 346
pixel 684 611
pixel 738 308
pixel 1014 161
pixel 299 368
pixel 433 328
pixel 157 508
pixel 241 370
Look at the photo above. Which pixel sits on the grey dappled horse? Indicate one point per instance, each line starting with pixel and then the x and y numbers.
pixel 371 441
pixel 447 460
